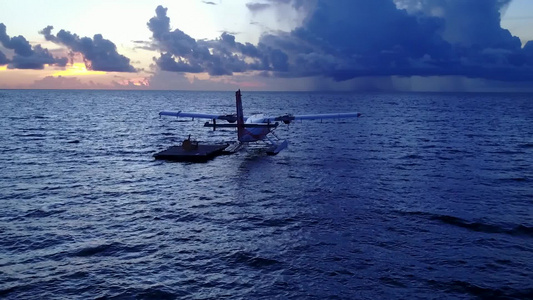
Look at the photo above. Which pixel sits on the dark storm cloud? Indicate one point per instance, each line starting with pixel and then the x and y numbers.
pixel 223 56
pixel 472 22
pixel 99 54
pixel 167 63
pixel 160 24
pixel 18 43
pixel 47 33
pixel 528 49
pixel 351 38
pixel 354 38
pixel 26 56
pixel 37 60
pixel 345 39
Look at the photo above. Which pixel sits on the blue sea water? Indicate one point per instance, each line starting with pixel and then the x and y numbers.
pixel 426 196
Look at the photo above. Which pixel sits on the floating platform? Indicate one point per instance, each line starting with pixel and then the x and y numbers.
pixel 192 152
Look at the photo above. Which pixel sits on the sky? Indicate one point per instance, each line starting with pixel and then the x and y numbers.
pixel 271 45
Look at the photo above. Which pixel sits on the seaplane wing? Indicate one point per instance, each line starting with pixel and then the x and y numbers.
pixel 230 118
pixel 289 118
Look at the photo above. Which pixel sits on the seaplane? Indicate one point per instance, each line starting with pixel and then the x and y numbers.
pixel 257 127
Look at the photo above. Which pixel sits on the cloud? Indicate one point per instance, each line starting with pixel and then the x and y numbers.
pixel 256 7
pixel 3 59
pixel 353 38
pixel 99 54
pixel 346 39
pixel 528 49
pixel 60 82
pixel 18 43
pixel 209 2
pixel 26 56
pixel 160 24
pixel 469 22
pixel 224 56
pixel 180 81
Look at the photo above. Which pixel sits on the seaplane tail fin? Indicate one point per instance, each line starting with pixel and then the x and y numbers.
pixel 240 116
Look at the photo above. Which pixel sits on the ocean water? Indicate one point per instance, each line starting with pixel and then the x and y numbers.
pixel 426 196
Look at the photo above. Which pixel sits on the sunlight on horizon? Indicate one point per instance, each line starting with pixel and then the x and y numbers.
pixel 137 81
pixel 77 69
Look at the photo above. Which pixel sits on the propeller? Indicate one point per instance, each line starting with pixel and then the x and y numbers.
pixel 286 119
pixel 231 118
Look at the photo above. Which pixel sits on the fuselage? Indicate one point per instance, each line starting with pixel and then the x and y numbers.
pixel 253 134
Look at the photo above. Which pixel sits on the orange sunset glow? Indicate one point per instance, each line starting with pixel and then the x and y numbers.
pixel 77 69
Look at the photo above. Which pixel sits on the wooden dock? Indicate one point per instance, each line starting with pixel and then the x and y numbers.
pixel 194 153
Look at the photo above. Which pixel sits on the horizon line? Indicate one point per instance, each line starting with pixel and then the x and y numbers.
pixel 271 91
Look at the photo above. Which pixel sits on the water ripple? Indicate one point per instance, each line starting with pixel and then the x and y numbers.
pixel 426 196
